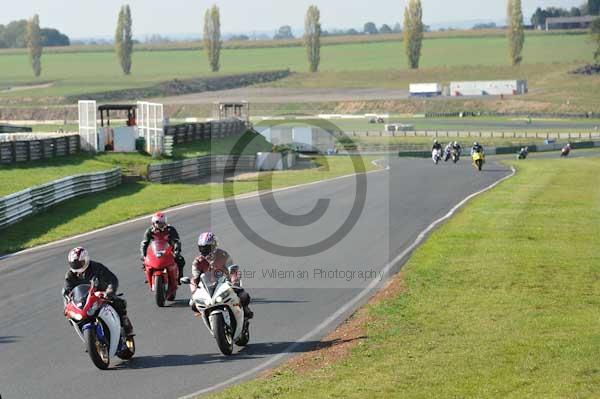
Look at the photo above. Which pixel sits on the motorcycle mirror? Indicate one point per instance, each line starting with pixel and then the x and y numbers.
pixel 185 280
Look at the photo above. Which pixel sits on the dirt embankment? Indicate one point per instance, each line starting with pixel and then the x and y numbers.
pixel 178 87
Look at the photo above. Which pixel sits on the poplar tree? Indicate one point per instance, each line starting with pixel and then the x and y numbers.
pixel 212 37
pixel 516 35
pixel 413 32
pixel 312 37
pixel 124 39
pixel 34 44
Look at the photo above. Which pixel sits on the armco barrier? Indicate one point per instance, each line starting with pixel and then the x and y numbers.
pixel 32 150
pixel 16 206
pixel 199 167
pixel 189 132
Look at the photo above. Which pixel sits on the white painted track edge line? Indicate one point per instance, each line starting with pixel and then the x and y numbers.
pixel 366 291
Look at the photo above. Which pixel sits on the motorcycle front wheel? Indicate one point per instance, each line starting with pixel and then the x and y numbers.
pixel 159 291
pixel 97 350
pixel 222 334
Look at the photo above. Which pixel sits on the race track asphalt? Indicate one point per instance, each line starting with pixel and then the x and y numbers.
pixel 40 355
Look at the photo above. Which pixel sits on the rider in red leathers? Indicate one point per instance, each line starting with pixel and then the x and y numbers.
pixel 160 227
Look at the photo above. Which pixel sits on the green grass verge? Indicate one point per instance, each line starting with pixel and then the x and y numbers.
pixel 502 301
pixel 250 143
pixel 20 176
pixel 129 200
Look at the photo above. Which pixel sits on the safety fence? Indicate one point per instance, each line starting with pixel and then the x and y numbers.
pixel 199 167
pixel 463 114
pixel 189 132
pixel 15 207
pixel 14 129
pixel 510 149
pixel 32 150
pixel 590 135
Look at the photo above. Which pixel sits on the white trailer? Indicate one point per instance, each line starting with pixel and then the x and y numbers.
pixel 425 89
pixel 488 88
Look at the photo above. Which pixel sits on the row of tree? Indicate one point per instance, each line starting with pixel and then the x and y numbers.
pixel 413 33
pixel 14 35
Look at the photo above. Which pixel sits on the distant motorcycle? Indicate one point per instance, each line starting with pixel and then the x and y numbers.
pixel 447 154
pixel 566 150
pixel 455 155
pixel 98 325
pixel 219 305
pixel 478 160
pixel 522 154
pixel 436 155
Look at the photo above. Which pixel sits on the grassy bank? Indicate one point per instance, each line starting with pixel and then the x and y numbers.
pixel 512 313
pixel 133 199
pixel 19 176
pixel 88 72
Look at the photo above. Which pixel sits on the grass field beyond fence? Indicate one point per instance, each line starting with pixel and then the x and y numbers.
pixel 500 302
pixel 88 72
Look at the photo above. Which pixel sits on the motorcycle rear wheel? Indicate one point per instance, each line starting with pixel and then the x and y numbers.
pixel 94 349
pixel 159 291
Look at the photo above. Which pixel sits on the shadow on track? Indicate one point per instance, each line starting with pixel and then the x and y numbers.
pixel 9 339
pixel 265 300
pixel 252 351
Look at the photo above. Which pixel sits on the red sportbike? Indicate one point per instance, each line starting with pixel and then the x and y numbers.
pixel 98 325
pixel 161 270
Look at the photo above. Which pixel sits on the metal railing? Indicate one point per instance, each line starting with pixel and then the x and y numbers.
pixel 15 207
pixel 199 167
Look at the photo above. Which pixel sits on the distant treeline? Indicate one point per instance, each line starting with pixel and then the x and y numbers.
pixel 13 36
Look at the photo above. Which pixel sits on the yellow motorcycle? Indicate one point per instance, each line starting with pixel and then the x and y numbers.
pixel 478 160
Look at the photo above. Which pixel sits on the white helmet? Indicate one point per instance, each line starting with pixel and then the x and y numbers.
pixel 207 243
pixel 159 220
pixel 78 260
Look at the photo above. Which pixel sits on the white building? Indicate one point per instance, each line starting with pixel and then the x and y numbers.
pixel 488 88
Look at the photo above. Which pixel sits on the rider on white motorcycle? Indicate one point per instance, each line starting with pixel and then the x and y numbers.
pixel 82 270
pixel 436 145
pixel 220 261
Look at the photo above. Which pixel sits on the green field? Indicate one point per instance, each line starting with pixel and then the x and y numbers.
pixel 129 200
pixel 378 63
pixel 500 302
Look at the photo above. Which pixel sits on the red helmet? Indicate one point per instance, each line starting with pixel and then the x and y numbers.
pixel 78 259
pixel 159 221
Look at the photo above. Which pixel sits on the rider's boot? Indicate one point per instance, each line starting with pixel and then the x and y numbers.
pixel 248 314
pixel 127 326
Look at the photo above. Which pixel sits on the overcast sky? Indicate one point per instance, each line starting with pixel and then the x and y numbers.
pixel 92 18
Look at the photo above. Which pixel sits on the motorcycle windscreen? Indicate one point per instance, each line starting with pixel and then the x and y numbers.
pixel 159 247
pixel 211 280
pixel 80 294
